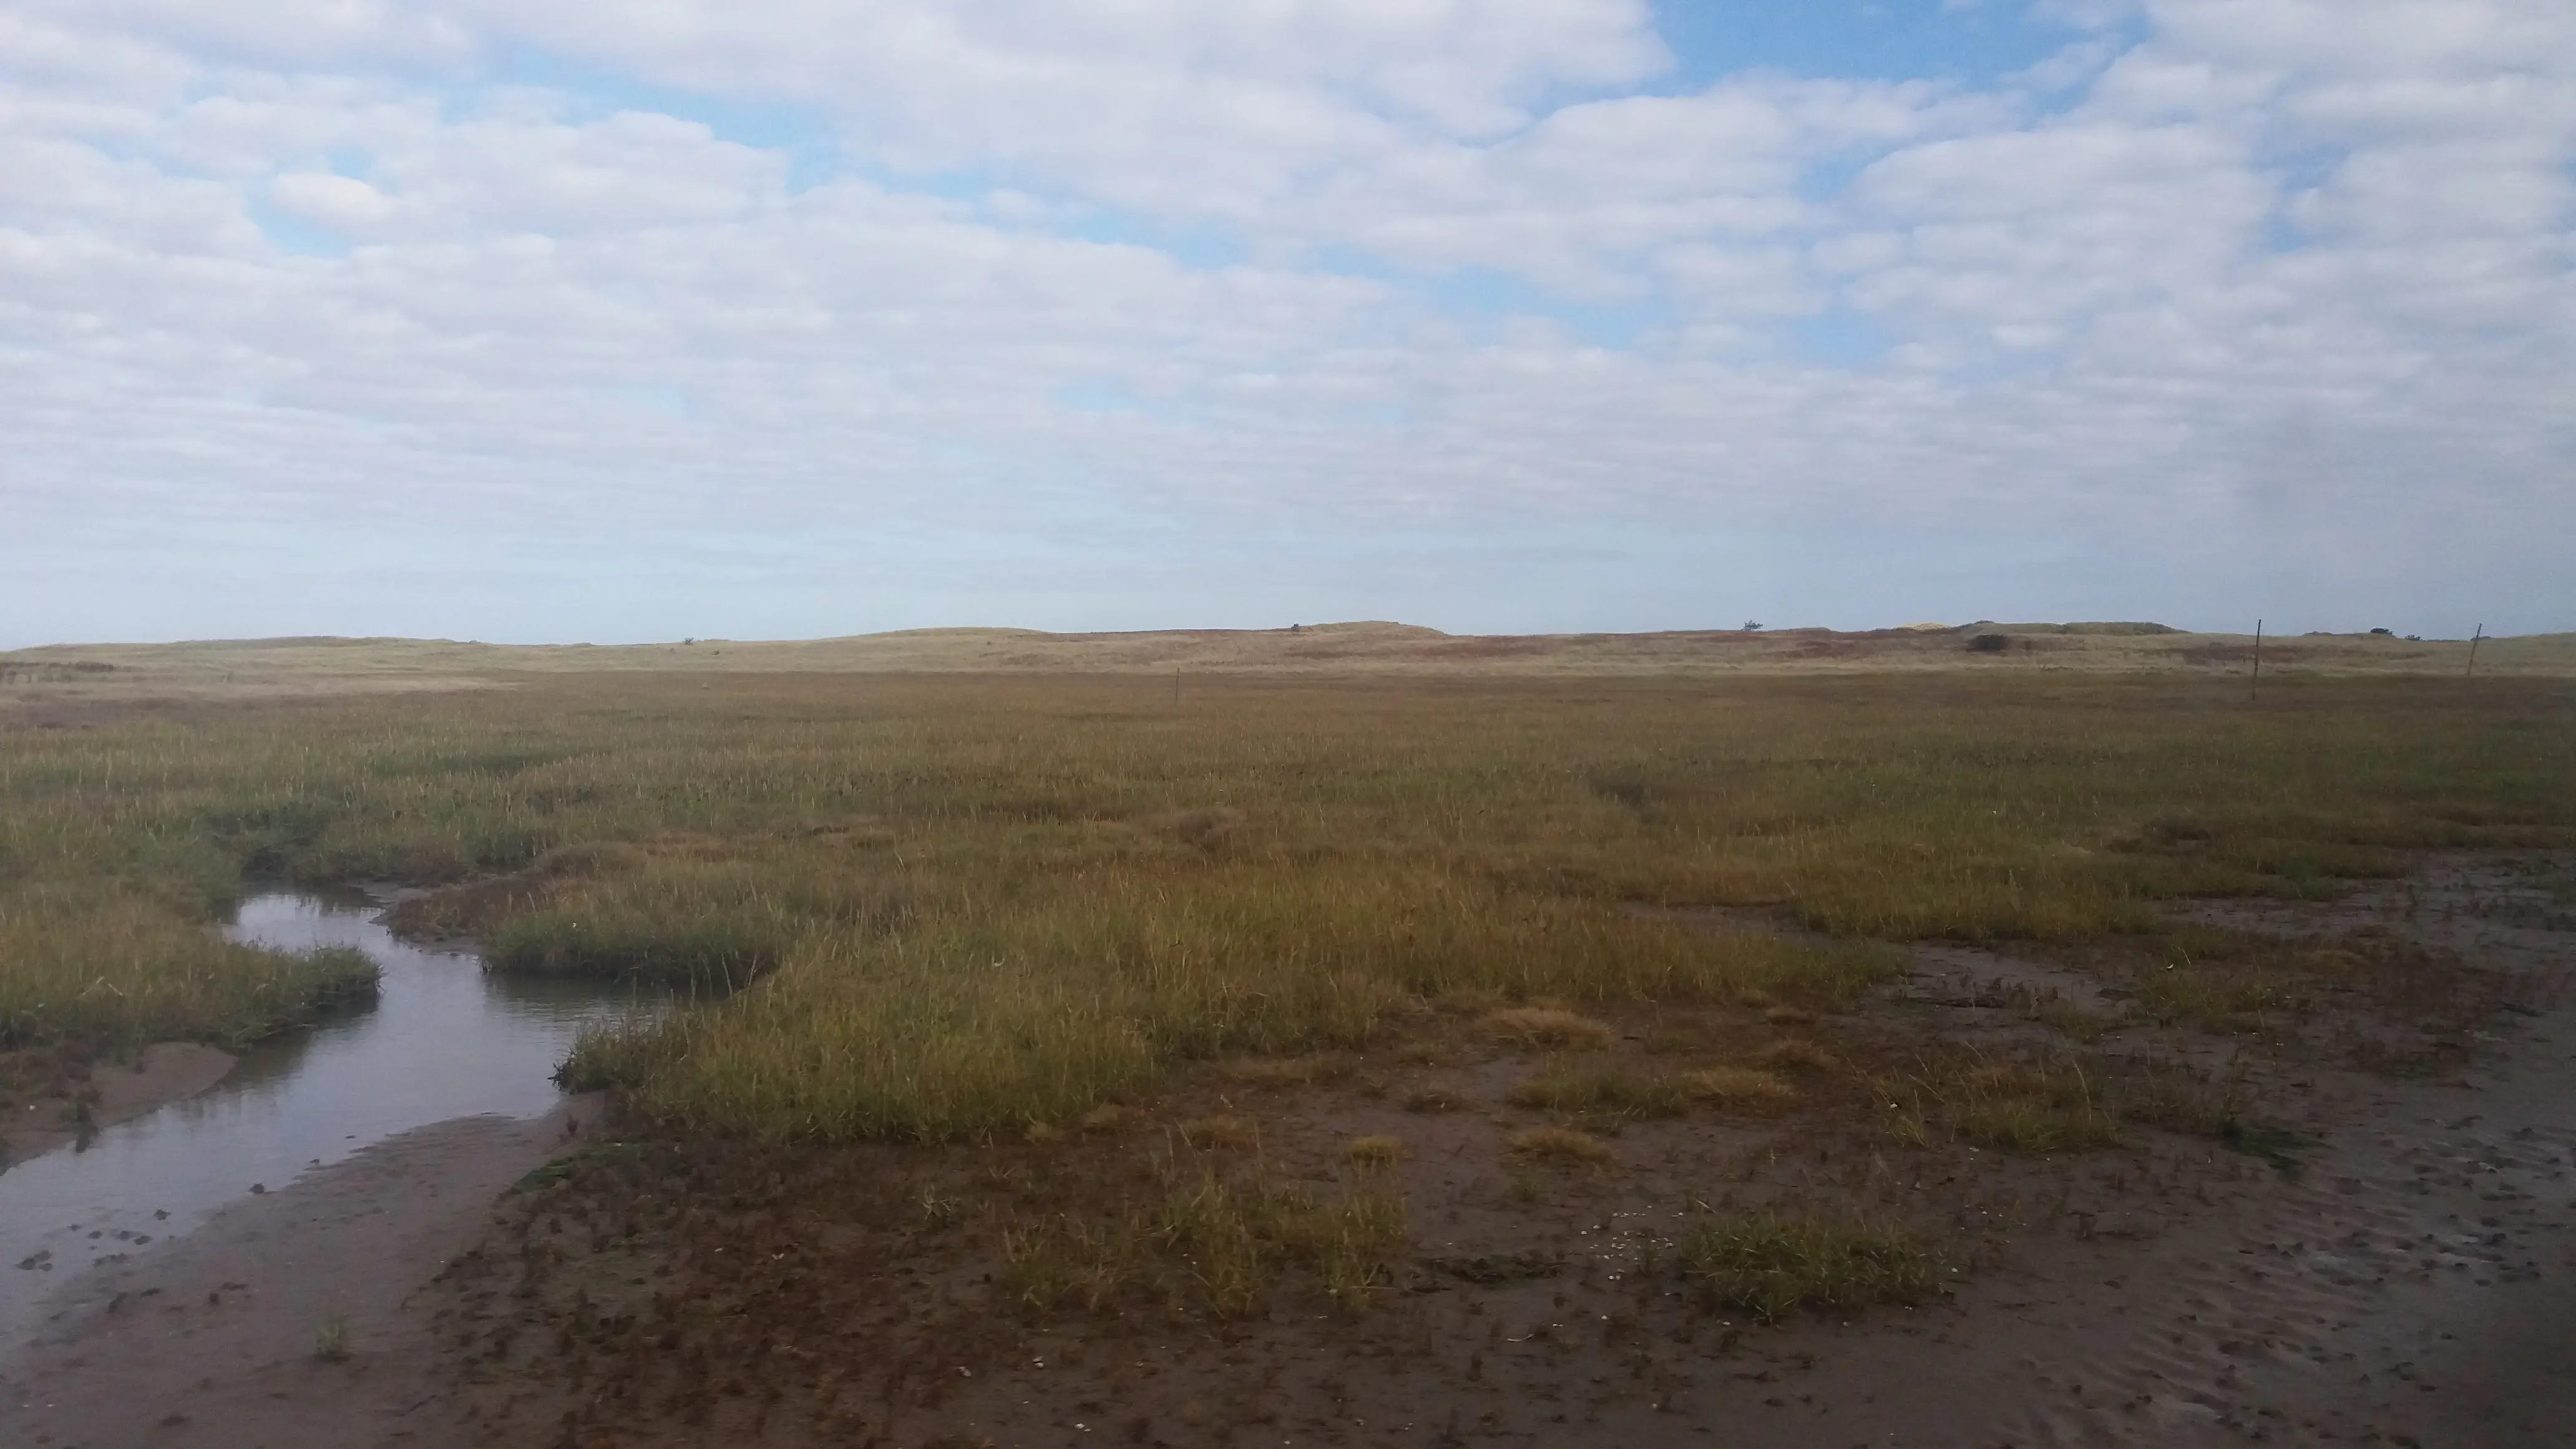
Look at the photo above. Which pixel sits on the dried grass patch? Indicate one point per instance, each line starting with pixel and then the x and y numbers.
pixel 1548 1026
pixel 1564 1146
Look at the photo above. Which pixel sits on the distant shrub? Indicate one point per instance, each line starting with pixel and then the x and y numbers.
pixel 1989 643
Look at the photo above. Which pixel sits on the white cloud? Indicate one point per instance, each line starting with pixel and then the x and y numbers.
pixel 335 201
pixel 1456 263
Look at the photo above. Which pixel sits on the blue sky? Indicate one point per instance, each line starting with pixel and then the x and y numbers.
pixel 569 320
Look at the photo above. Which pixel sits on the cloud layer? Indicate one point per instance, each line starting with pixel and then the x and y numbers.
pixel 578 318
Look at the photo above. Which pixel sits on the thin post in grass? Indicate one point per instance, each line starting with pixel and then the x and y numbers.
pixel 2255 690
pixel 2471 671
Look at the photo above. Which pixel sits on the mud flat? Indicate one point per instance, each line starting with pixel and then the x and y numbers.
pixel 289 1319
pixel 2387 1263
pixel 160 1074
pixel 228 1253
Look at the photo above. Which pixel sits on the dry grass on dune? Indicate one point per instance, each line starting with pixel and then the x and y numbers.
pixel 252 668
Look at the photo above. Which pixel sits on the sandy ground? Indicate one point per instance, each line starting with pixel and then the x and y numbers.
pixel 161 1074
pixel 210 1341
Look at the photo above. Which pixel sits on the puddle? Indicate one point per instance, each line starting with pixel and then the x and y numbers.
pixel 444 1040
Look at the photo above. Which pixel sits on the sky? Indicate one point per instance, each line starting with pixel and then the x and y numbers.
pixel 619 320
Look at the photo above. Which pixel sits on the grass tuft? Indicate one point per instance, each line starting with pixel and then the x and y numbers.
pixel 109 969
pixel 1772 1266
pixel 1564 1146
pixel 331 1341
pixel 1216 1243
pixel 1548 1026
pixel 1795 1054
pixel 1373 1152
pixel 1437 1099
pixel 2017 1107
pixel 1738 1088
pixel 1210 1134
pixel 1609 1091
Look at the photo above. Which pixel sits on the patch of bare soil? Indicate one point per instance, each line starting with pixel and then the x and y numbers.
pixel 292 1319
pixel 73 1100
pixel 2341 1216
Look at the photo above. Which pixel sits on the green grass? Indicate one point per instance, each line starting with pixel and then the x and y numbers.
pixel 2041 1107
pixel 1212 1244
pixel 970 903
pixel 99 969
pixel 1607 1092
pixel 1771 1265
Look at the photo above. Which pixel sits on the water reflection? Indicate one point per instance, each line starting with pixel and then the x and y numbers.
pixel 443 1040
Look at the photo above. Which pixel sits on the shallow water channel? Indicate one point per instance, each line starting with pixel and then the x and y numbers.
pixel 444 1040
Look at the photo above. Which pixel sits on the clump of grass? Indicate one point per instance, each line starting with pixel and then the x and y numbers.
pixel 1795 1054
pixel 1355 1243
pixel 1376 1151
pixel 2178 1098
pixel 2216 1106
pixel 716 950
pixel 1288 1071
pixel 331 1341
pixel 1561 1145
pixel 1742 1089
pixel 1437 1099
pixel 1110 1117
pixel 1221 1133
pixel 2014 1106
pixel 1051 1264
pixel 2023 1123
pixel 1613 1092
pixel 1771 1265
pixel 2220 997
pixel 1094 989
pixel 108 969
pixel 1214 1242
pixel 1548 1026
pixel 1608 1091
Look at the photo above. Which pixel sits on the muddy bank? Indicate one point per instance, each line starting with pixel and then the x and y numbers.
pixel 163 1073
pixel 293 1318
pixel 2385 1262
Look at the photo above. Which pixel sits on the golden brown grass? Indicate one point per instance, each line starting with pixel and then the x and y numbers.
pixel 1606 1091
pixel 2033 1107
pixel 1548 1026
pixel 103 968
pixel 1211 1242
pixel 970 903
pixel 1334 649
pixel 1209 1134
pixel 1741 1089
pixel 1562 1145
pixel 1614 1092
pixel 1373 1152
pixel 1795 1054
